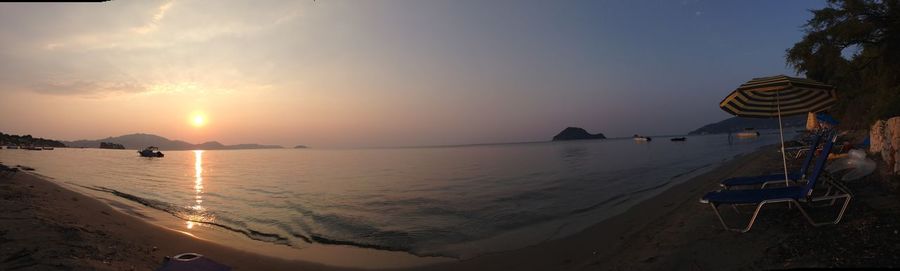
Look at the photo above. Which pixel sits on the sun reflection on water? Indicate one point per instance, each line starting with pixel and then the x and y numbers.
pixel 197 213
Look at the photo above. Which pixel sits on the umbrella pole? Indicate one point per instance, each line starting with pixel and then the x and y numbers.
pixel 781 135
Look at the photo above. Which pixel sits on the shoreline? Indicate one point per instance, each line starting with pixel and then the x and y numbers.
pixel 599 246
pixel 365 257
pixel 52 226
pixel 578 251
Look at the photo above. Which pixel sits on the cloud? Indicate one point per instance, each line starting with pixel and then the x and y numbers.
pixel 154 22
pixel 149 47
pixel 87 88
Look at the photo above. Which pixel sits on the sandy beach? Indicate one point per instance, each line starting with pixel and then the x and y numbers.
pixel 45 226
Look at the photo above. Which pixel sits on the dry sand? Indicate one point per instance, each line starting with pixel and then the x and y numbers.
pixel 44 226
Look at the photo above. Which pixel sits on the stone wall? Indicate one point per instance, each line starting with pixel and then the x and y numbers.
pixel 885 141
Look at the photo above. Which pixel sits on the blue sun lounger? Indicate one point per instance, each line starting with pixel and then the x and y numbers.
pixel 765 180
pixel 793 195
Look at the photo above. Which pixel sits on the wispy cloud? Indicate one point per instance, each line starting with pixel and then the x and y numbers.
pixel 158 48
pixel 154 22
pixel 87 88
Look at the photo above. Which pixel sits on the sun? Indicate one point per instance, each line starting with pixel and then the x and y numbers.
pixel 198 120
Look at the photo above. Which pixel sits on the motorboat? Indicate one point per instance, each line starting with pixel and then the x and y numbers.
pixel 151 152
pixel 642 138
pixel 747 133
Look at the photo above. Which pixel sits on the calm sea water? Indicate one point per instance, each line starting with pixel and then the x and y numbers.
pixel 448 201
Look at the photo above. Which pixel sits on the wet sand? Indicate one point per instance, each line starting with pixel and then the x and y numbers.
pixel 45 226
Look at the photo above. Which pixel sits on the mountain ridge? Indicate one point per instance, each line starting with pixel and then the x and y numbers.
pixel 139 141
pixel 736 124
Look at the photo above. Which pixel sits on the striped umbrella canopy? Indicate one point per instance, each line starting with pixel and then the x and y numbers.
pixel 775 96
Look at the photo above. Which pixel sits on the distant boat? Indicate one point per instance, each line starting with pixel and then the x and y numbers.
pixel 32 148
pixel 747 133
pixel 642 138
pixel 47 148
pixel 151 152
pixel 678 139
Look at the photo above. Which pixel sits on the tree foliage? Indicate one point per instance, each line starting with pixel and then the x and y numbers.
pixel 855 46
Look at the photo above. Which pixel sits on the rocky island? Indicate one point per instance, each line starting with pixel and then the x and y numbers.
pixel 110 145
pixel 576 133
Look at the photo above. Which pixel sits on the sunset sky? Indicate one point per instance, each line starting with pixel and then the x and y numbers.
pixel 382 73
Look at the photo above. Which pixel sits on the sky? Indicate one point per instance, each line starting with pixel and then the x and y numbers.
pixel 332 73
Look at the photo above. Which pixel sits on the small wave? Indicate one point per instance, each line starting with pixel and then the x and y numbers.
pixel 690 171
pixel 660 185
pixel 404 244
pixel 596 205
pixel 179 212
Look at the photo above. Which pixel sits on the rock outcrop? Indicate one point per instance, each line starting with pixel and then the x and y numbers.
pixel 884 139
pixel 575 133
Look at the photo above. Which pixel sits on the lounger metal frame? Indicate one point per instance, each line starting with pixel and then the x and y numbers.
pixel 839 189
pixel 846 195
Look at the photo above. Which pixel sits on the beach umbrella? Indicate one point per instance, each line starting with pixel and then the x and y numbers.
pixel 779 96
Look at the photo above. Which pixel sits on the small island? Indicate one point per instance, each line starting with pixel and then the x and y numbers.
pixel 576 133
pixel 110 145
pixel 301 147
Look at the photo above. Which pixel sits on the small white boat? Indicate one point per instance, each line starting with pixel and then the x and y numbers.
pixel 642 138
pixel 747 133
pixel 151 152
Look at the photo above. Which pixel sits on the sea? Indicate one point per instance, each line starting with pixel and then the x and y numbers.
pixel 454 201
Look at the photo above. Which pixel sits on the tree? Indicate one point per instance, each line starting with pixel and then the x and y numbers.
pixel 855 46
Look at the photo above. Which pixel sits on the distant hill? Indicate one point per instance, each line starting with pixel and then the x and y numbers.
pixel 576 133
pixel 140 141
pixel 735 124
